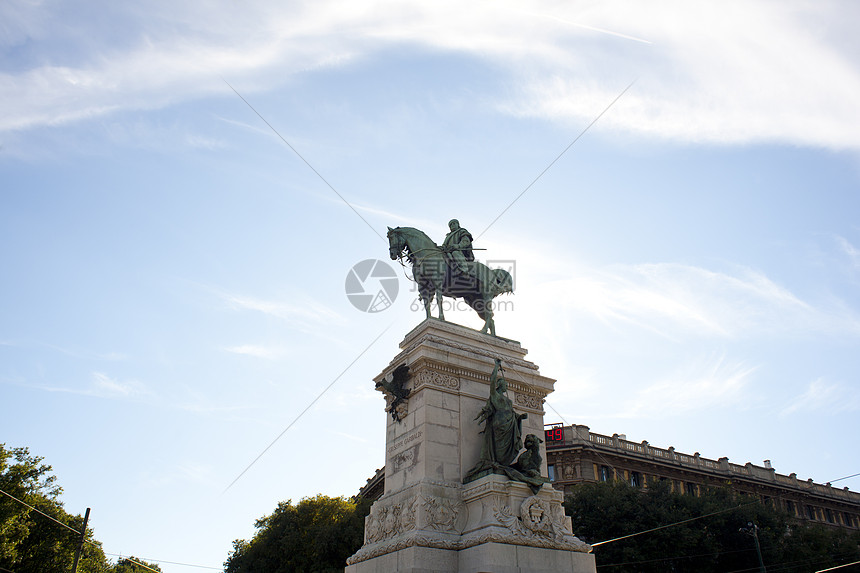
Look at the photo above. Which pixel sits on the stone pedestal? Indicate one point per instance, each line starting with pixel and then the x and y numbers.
pixel 428 520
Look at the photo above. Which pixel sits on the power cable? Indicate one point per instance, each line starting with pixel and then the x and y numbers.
pixel 96 544
pixel 795 565
pixel 308 407
pixel 674 524
pixel 773 567
pixel 587 444
pixel 40 512
pixel 674 558
pixel 163 561
pixel 529 186
pixel 838 566
pixel 842 478
pixel 136 562
pixel 348 204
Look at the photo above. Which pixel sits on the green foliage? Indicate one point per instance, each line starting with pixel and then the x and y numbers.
pixel 132 565
pixel 609 510
pixel 315 535
pixel 30 542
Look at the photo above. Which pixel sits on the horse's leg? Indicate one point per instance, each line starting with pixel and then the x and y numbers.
pixel 487 315
pixel 438 281
pixel 426 297
pixel 439 303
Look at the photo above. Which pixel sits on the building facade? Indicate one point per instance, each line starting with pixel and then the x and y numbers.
pixel 576 455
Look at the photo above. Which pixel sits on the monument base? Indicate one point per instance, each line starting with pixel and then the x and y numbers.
pixel 428 520
pixel 490 525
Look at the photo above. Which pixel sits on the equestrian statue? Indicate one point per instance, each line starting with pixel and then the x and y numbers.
pixel 450 270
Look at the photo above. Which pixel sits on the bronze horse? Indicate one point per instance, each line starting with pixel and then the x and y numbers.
pixel 435 277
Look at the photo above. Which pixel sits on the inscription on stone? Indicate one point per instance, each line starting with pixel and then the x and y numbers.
pixel 404 441
pixel 405 459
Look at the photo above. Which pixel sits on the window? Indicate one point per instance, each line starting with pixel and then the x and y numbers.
pixel 635 479
pixel 828 515
pixel 604 473
pixel 789 507
pixel 849 519
pixel 550 470
pixel 810 512
pixel 690 488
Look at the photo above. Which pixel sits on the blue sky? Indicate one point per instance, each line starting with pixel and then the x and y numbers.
pixel 173 274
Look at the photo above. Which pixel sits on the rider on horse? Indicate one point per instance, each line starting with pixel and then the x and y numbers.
pixel 457 247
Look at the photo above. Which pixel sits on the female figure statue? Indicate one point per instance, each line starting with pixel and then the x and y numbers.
pixel 503 429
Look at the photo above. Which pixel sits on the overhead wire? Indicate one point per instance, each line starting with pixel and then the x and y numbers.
pixel 674 558
pixel 839 566
pixel 529 186
pixel 587 444
pixel 308 407
pixel 318 174
pixel 163 561
pixel 674 524
pixel 97 544
pixel 797 565
pixel 40 512
pixel 772 567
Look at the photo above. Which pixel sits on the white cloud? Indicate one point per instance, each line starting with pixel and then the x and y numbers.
pixel 188 473
pixel 259 351
pixel 307 311
pixel 852 252
pixel 718 72
pixel 676 300
pixel 824 396
pixel 105 386
pixel 701 384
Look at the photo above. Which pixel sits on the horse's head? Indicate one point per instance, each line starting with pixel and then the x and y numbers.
pixel 396 243
pixel 502 282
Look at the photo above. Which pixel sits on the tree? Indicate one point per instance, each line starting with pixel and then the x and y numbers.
pixel 611 510
pixel 29 541
pixel 315 535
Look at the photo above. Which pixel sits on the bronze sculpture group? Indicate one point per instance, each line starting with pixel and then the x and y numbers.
pixel 450 270
pixel 503 439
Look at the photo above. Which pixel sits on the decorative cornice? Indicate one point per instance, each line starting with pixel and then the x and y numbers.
pixel 529 401
pixel 428 338
pixel 429 377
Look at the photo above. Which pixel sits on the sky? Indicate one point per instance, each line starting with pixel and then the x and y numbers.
pixel 185 188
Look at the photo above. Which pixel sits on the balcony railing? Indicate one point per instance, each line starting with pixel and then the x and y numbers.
pixel 720 467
